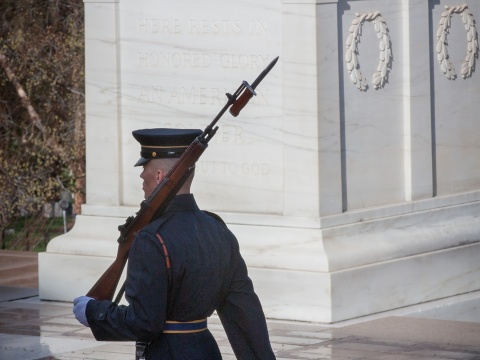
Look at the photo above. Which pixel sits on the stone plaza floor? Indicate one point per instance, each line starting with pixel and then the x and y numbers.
pixel 34 329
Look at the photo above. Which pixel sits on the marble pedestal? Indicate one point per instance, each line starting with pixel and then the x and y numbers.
pixel 351 180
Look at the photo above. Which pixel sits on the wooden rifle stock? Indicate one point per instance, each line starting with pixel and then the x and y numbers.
pixel 158 201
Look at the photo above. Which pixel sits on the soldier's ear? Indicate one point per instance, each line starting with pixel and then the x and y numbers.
pixel 159 176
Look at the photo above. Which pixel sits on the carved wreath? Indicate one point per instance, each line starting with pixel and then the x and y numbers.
pixel 380 76
pixel 468 65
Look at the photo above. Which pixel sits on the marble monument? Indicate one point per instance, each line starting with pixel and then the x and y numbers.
pixel 352 179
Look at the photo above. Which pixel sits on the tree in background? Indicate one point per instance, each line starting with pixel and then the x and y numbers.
pixel 42 135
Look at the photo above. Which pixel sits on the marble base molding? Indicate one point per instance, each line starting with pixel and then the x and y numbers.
pixel 306 272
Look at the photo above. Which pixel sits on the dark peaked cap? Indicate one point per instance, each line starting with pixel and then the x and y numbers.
pixel 163 143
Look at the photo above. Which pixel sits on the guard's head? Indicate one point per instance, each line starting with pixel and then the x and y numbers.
pixel 160 149
pixel 163 143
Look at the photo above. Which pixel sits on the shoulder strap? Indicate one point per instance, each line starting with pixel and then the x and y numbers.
pixel 169 268
pixel 167 259
pixel 161 221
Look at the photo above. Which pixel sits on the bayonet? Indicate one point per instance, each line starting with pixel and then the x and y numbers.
pixel 249 90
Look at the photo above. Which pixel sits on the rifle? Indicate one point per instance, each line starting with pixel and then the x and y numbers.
pixel 157 202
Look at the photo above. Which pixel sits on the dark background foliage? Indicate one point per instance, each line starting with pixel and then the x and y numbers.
pixel 42 137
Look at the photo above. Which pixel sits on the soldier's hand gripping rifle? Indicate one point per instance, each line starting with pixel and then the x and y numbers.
pixel 159 199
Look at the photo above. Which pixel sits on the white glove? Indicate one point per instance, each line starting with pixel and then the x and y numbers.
pixel 80 307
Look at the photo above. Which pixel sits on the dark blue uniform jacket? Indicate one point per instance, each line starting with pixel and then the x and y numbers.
pixel 207 274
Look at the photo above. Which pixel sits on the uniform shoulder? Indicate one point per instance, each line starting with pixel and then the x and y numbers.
pixel 215 216
pixel 221 225
pixel 155 225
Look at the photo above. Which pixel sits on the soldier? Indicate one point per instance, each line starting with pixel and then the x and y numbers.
pixel 182 267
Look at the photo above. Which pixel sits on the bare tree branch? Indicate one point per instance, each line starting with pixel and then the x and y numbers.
pixel 37 122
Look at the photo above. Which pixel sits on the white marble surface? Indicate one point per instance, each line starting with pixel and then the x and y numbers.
pixel 177 62
pixel 457 127
pixel 345 202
